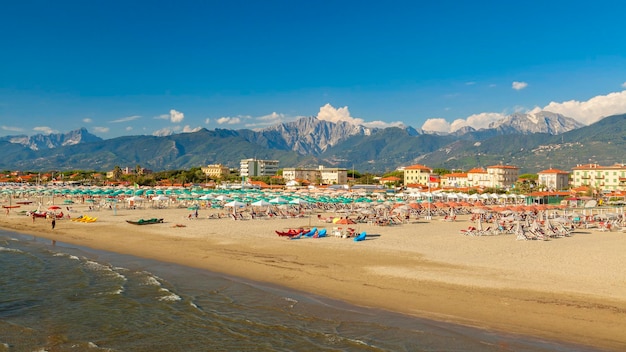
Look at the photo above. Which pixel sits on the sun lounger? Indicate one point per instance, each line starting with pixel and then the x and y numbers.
pixel 321 233
pixel 360 237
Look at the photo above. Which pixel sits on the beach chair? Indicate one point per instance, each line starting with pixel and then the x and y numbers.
pixel 321 233
pixel 471 231
pixel 360 237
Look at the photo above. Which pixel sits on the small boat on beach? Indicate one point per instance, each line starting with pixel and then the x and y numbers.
pixel 146 221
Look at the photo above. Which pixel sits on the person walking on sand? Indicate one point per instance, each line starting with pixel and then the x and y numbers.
pixel 54 222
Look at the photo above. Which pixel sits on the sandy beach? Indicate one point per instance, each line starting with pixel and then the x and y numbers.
pixel 570 289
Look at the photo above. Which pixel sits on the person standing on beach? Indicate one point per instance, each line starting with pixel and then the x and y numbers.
pixel 54 222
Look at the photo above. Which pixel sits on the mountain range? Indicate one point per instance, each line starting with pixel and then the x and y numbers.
pixel 533 142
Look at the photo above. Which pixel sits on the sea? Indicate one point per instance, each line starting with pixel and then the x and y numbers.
pixel 60 297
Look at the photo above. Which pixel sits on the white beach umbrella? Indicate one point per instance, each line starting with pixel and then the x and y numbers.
pixel 278 200
pixel 261 203
pixel 235 204
pixel 298 201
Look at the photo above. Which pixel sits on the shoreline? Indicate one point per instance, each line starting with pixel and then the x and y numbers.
pixel 562 290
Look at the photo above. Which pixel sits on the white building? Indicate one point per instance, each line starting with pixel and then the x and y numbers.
pixel 257 167
pixel 553 179
pixel 323 175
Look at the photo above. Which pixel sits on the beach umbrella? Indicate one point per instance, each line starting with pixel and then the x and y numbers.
pixel 298 201
pixel 278 200
pixel 344 221
pixel 261 203
pixel 54 207
pixel 234 204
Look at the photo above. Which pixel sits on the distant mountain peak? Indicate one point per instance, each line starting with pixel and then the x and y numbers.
pixel 535 122
pixel 53 140
pixel 310 135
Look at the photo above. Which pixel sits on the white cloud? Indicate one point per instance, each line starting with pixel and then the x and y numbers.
pixel 176 116
pixel 624 85
pixel 483 120
pixel 44 130
pixel 188 129
pixel 274 117
pixel 519 85
pixel 207 121
pixel 163 132
pixel 126 119
pixel 168 131
pixel 591 110
pixel 228 120
pixel 329 113
pixel 586 112
pixel 12 129
pixel 87 120
pixel 476 121
pixel 436 125
pixel 383 124
pixel 101 129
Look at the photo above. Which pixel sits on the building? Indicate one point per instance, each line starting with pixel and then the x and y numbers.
pixel 503 176
pixel 216 170
pixel 478 177
pixel 321 175
pixel 454 180
pixel 553 179
pixel 417 174
pixel 333 175
pixel 257 167
pixel 129 171
pixel 390 181
pixel 603 178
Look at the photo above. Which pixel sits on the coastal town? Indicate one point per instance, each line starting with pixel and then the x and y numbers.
pixel 591 181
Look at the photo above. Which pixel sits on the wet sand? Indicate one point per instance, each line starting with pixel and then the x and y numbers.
pixel 570 289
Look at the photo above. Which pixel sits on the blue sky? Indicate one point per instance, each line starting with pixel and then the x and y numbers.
pixel 154 67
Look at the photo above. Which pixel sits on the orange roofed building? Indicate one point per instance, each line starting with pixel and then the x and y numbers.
pixel 417 174
pixel 553 179
pixel 454 180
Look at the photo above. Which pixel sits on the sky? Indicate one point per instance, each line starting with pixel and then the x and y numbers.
pixel 156 67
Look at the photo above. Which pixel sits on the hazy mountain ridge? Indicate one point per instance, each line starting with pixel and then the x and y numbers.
pixel 540 122
pixel 310 142
pixel 309 135
pixel 53 140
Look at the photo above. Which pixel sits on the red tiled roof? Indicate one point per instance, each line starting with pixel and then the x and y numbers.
pixel 553 171
pixel 418 167
pixel 502 167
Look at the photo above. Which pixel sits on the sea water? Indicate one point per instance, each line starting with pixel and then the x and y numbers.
pixel 59 297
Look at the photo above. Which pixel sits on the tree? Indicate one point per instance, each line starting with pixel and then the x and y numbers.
pixel 117 173
pixel 440 171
